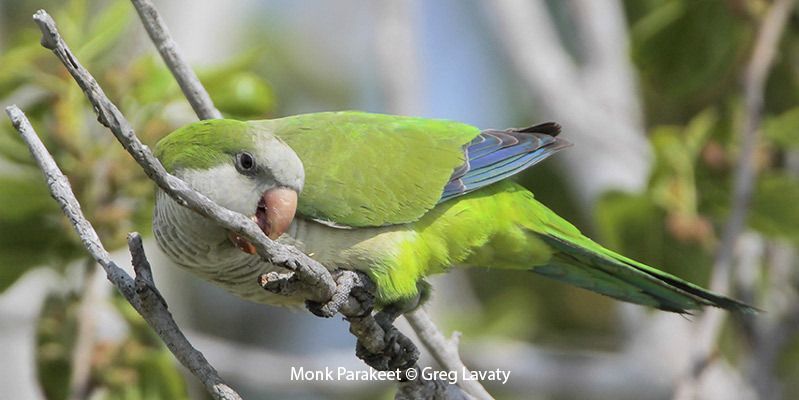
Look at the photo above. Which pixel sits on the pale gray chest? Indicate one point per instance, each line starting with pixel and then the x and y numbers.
pixel 203 248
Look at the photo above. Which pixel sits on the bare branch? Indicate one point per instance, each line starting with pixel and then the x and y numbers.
pixel 380 345
pixel 154 312
pixel 444 350
pixel 189 83
pixel 762 58
pixel 310 271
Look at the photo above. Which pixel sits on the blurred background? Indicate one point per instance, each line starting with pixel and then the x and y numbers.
pixel 649 91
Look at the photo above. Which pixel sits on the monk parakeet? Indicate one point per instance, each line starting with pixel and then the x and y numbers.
pixel 399 198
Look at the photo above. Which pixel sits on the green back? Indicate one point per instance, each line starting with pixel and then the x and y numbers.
pixel 366 169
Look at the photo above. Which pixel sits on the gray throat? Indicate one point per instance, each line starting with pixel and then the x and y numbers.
pixel 202 247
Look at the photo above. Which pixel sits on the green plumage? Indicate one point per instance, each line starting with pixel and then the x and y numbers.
pixel 366 169
pixel 203 144
pixel 382 177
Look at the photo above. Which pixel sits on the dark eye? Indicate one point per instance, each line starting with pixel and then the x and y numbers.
pixel 245 162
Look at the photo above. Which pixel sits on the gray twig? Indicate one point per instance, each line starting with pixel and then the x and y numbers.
pixel 154 312
pixel 380 345
pixel 444 350
pixel 763 54
pixel 311 272
pixel 195 92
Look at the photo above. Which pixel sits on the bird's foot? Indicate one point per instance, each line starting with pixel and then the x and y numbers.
pixel 241 243
pixel 353 297
pixel 398 352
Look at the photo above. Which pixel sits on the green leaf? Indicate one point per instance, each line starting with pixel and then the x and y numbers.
pixel 634 225
pixel 783 130
pixel 687 53
pixel 677 149
pixel 32 231
pixel 156 373
pixel 774 206
pixel 136 366
pixel 623 218
pixel 12 148
pixel 153 81
pixel 24 196
pixel 55 339
pixel 15 63
pixel 105 30
pixel 240 93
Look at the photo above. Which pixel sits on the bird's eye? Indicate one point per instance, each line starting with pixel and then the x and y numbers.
pixel 245 162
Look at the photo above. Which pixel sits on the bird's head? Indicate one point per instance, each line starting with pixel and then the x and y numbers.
pixel 241 168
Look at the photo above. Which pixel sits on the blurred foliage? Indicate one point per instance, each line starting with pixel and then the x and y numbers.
pixel 136 366
pixel 690 55
pixel 114 194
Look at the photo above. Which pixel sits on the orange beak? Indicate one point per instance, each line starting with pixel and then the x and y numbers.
pixel 274 215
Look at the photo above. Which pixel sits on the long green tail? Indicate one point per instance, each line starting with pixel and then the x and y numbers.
pixel 609 273
pixel 580 261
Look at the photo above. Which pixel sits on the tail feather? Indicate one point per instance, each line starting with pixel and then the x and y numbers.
pixel 611 274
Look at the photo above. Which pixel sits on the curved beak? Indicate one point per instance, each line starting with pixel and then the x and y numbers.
pixel 276 211
pixel 274 214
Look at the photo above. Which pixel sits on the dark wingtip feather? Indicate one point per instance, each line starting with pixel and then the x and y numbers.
pixel 697 295
pixel 547 128
pixel 711 298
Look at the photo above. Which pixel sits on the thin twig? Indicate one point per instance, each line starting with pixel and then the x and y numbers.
pixel 289 284
pixel 310 271
pixel 772 333
pixel 189 83
pixel 444 350
pixel 154 312
pixel 381 345
pixel 763 54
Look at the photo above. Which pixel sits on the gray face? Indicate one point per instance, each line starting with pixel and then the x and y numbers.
pixel 278 162
pixel 239 183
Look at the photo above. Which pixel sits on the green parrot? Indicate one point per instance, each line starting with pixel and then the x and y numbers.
pixel 399 198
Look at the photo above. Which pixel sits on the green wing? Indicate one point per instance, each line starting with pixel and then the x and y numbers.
pixel 366 169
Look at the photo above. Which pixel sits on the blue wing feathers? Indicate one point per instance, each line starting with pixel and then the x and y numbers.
pixel 495 155
pixel 489 142
pixel 504 166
